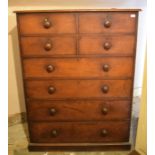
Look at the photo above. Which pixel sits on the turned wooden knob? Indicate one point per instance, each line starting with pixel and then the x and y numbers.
pixel 105 89
pixel 47 24
pixel 54 133
pixel 106 67
pixel 51 89
pixel 50 68
pixel 107 45
pixel 107 24
pixel 104 110
pixel 48 46
pixel 53 111
pixel 104 132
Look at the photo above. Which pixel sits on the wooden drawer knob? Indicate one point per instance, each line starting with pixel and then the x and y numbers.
pixel 50 68
pixel 48 46
pixel 107 45
pixel 51 89
pixel 106 67
pixel 54 133
pixel 107 24
pixel 53 111
pixel 104 132
pixel 105 89
pixel 47 24
pixel 104 110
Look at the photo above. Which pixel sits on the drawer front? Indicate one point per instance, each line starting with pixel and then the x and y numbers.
pixel 46 23
pixel 107 45
pixel 83 67
pixel 85 110
pixel 107 22
pixel 78 88
pixel 45 46
pixel 79 132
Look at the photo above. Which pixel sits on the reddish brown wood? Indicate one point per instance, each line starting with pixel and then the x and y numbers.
pixel 78 88
pixel 33 23
pixel 78 68
pixel 95 22
pixel 79 147
pixel 79 132
pixel 70 48
pixel 81 10
pixel 85 110
pixel 59 45
pixel 119 44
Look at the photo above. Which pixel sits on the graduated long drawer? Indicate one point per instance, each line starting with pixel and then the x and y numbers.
pixel 78 68
pixel 78 110
pixel 74 132
pixel 51 89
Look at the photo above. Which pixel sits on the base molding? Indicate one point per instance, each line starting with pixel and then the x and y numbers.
pixel 79 147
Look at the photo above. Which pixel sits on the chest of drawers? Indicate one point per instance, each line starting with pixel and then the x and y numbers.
pixel 78 71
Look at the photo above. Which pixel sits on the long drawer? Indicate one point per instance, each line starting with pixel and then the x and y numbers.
pixel 78 68
pixel 78 88
pixel 82 110
pixel 74 132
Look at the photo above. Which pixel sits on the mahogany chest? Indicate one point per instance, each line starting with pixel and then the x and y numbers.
pixel 78 71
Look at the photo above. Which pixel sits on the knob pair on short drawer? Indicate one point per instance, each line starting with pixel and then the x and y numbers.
pixel 107 45
pixel 47 24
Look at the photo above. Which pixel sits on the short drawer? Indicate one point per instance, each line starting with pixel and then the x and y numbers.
pixel 78 88
pixel 82 110
pixel 46 23
pixel 107 45
pixel 108 22
pixel 117 67
pixel 63 132
pixel 48 46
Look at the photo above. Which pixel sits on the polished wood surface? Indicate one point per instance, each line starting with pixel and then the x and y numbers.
pixel 34 23
pixel 78 88
pixel 79 132
pixel 82 110
pixel 96 22
pixel 79 147
pixel 107 45
pixel 81 10
pixel 78 68
pixel 46 46
pixel 78 72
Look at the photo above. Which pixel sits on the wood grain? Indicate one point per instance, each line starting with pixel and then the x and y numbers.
pixel 79 132
pixel 78 68
pixel 120 44
pixel 59 45
pixel 120 22
pixel 83 110
pixel 32 23
pixel 78 88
